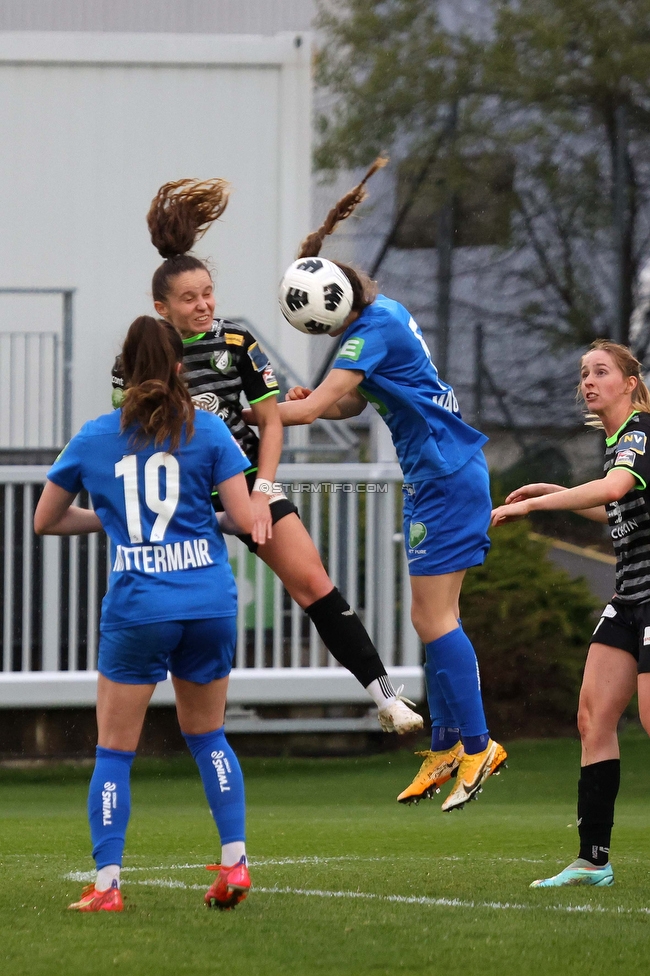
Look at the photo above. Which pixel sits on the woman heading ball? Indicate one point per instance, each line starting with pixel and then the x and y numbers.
pixel 171 604
pixel 222 360
pixel 384 359
pixel 618 662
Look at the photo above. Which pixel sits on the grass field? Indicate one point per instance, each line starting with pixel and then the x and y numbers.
pixel 346 880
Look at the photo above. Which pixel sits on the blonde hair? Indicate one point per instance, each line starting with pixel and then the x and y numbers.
pixel 628 365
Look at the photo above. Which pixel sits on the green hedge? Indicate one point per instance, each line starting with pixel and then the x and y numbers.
pixel 530 624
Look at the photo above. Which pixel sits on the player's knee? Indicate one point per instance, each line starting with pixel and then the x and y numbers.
pixel 587 719
pixel 644 717
pixel 313 585
pixel 421 620
pixel 594 721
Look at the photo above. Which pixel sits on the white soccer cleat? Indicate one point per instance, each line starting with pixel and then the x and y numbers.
pixel 396 716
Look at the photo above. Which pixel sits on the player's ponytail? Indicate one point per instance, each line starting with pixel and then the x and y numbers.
pixel 180 214
pixel 364 289
pixel 156 398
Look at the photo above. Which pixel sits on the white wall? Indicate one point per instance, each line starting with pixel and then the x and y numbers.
pixel 92 124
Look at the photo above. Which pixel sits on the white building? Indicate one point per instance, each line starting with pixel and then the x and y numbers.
pixel 99 105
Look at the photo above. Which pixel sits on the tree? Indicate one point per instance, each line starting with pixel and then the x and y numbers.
pixel 563 86
pixel 575 76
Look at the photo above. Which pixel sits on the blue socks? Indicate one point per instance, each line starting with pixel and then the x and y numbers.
pixel 444 732
pixel 452 672
pixel 222 781
pixel 109 795
pixel 109 804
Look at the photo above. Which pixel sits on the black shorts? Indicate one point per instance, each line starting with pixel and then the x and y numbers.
pixel 279 508
pixel 627 626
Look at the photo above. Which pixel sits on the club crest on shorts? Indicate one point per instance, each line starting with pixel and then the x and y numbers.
pixel 417 534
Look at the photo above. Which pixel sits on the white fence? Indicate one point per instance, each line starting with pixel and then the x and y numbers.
pixel 52 589
pixel 36 368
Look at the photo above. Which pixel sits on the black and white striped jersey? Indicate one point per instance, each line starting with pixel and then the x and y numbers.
pixel 219 366
pixel 629 518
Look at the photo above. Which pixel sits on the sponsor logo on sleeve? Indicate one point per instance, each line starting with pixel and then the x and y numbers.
pixel 626 457
pixel 269 376
pixel 258 358
pixel 351 349
pixel 634 440
pixel 238 446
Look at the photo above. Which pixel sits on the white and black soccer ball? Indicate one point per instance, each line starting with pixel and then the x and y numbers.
pixel 315 296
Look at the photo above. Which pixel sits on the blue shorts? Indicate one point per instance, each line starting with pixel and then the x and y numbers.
pixel 446 520
pixel 195 650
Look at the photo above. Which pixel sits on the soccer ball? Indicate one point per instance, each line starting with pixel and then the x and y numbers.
pixel 315 296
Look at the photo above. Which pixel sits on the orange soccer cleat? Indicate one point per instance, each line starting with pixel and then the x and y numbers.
pixel 231 887
pixel 99 901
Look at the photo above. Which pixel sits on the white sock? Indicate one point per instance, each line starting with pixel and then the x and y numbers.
pixel 231 853
pixel 106 876
pixel 381 691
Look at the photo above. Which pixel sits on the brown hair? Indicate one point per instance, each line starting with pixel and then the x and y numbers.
pixel 629 366
pixel 364 289
pixel 156 397
pixel 179 215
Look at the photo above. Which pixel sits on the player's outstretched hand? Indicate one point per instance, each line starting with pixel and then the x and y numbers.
pixel 510 513
pixel 298 393
pixel 532 491
pixel 262 521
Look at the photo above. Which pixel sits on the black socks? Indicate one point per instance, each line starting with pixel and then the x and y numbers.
pixel 345 637
pixel 597 791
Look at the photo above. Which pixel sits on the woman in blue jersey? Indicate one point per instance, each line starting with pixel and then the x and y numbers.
pixel 171 604
pixel 384 359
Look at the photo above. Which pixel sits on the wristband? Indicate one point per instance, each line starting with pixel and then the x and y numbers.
pixel 263 485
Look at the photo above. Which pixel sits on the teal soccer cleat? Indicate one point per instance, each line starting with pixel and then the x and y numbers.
pixel 581 872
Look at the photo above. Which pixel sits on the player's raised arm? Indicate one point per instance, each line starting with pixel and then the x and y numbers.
pixel 328 400
pixel 593 495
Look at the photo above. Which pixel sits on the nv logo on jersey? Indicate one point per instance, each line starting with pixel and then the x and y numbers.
pixel 635 441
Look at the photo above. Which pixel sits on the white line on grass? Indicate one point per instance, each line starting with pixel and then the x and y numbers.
pixel 264 861
pixel 411 899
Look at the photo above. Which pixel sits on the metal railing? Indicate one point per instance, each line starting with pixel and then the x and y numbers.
pixel 30 389
pixel 52 589
pixel 36 373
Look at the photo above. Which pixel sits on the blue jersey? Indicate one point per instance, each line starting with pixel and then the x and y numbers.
pixel 429 434
pixel 169 560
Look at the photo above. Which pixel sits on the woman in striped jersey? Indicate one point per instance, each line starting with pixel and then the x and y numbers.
pixel 618 663
pixel 222 360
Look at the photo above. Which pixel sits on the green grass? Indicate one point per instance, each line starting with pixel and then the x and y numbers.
pixel 304 811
